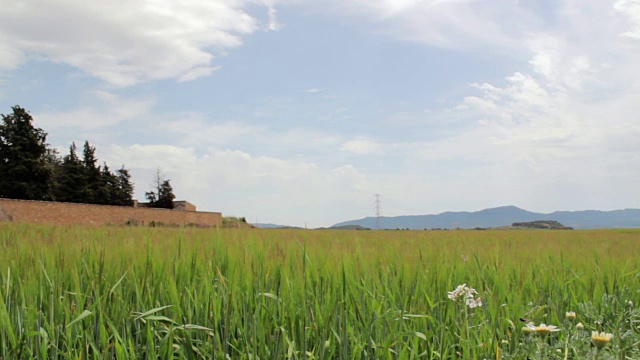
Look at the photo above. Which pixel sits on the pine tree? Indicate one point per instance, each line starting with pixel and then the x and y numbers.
pixel 54 162
pixel 24 173
pixel 124 188
pixel 92 175
pixel 71 182
pixel 163 195
pixel 106 193
pixel 30 169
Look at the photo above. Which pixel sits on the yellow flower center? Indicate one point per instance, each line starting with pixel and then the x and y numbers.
pixel 542 330
pixel 600 340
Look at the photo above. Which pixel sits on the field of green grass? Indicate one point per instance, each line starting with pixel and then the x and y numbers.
pixel 159 293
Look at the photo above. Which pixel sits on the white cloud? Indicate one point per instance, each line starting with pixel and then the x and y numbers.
pixel 543 64
pixel 362 146
pixel 560 133
pixel 9 57
pixel 202 132
pixel 240 183
pixel 456 24
pixel 198 72
pixel 105 118
pixel 150 157
pixel 631 8
pixel 110 111
pixel 125 42
pixel 273 24
pixel 540 142
pixel 558 130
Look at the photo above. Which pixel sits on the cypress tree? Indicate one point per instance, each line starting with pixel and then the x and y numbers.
pixel 124 188
pixel 71 184
pixel 24 172
pixel 31 170
pixel 163 196
pixel 107 191
pixel 94 180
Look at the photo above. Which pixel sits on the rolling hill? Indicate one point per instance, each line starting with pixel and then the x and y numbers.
pixel 505 216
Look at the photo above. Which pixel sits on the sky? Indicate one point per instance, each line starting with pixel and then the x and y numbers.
pixel 297 112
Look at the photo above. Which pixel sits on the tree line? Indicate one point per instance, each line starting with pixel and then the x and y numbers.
pixel 30 169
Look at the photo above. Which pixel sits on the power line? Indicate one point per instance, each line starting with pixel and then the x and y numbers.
pixel 378 207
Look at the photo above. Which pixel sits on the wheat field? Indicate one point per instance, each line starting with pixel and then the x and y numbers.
pixel 182 293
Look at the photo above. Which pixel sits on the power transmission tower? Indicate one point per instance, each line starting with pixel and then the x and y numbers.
pixel 378 208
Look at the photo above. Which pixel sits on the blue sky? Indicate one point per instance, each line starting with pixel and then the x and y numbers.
pixel 298 112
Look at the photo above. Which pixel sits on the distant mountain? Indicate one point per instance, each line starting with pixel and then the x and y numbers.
pixel 269 226
pixel 505 216
pixel 276 226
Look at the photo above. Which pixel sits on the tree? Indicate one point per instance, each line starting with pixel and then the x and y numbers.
pixel 30 169
pixel 71 182
pixel 124 188
pixel 163 196
pixel 93 177
pixel 54 163
pixel 24 172
pixel 107 190
pixel 81 181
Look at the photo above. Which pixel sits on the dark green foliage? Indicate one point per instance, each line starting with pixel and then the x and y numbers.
pixel 52 159
pixel 24 170
pixel 94 179
pixel 107 187
pixel 541 224
pixel 123 195
pixel 163 196
pixel 31 170
pixel 71 182
pixel 81 181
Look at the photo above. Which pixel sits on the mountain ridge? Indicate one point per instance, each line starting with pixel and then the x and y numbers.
pixel 504 216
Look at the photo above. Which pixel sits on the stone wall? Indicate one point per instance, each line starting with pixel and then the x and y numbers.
pixel 69 213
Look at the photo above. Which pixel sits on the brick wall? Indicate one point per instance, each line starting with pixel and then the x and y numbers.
pixel 69 213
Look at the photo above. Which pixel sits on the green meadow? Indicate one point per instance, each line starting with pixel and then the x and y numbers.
pixel 181 293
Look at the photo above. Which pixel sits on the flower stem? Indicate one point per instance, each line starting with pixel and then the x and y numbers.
pixel 466 329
